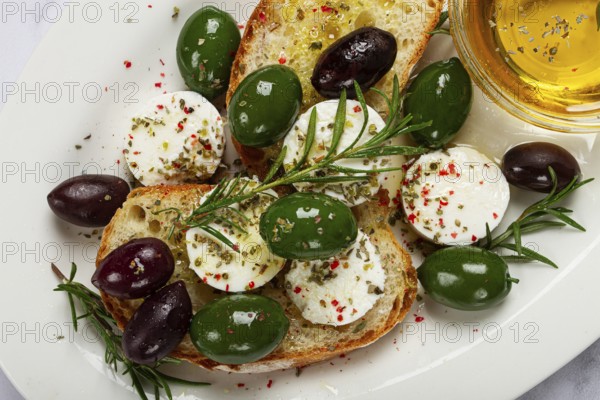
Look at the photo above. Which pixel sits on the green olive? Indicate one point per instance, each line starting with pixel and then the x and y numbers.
pixel 465 278
pixel 239 329
pixel 206 49
pixel 442 93
pixel 308 226
pixel 265 106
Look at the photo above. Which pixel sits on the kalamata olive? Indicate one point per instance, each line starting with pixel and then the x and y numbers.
pixel 88 200
pixel 364 55
pixel 308 226
pixel 442 93
pixel 135 269
pixel 206 49
pixel 158 325
pixel 239 329
pixel 465 278
pixel 526 166
pixel 265 106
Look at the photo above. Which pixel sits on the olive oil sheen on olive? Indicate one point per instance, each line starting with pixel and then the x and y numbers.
pixel 545 53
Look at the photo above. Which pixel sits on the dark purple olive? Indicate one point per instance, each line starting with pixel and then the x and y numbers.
pixel 135 269
pixel 158 325
pixel 364 55
pixel 88 200
pixel 526 166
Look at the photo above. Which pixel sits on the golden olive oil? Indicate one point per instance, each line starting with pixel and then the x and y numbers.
pixel 545 53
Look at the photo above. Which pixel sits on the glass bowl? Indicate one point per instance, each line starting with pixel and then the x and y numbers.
pixel 472 25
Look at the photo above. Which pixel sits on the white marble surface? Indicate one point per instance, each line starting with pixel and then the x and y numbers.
pixel 18 39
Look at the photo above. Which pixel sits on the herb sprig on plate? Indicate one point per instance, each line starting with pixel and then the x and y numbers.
pixel 103 322
pixel 231 191
pixel 541 215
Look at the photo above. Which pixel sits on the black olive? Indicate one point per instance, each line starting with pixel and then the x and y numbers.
pixel 526 166
pixel 135 269
pixel 158 325
pixel 364 55
pixel 88 200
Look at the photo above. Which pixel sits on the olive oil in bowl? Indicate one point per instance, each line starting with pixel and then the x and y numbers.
pixel 539 59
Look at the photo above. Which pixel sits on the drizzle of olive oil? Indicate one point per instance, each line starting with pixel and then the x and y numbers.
pixel 547 52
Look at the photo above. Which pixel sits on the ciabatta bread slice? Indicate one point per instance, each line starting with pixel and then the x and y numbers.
pixel 305 342
pixel 295 32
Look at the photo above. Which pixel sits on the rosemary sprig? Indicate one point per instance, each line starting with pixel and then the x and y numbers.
pixel 97 315
pixel 438 28
pixel 230 191
pixel 541 215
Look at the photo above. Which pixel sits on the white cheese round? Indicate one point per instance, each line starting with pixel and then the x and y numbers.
pixel 339 290
pixel 351 193
pixel 175 138
pixel 449 196
pixel 218 265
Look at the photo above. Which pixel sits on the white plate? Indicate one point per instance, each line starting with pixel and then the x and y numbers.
pixel 546 321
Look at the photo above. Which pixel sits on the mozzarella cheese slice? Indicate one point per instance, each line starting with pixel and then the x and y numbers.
pixel 225 269
pixel 353 193
pixel 177 137
pixel 450 195
pixel 340 290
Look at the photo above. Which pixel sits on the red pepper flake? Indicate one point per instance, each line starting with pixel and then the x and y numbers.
pixel 176 165
pixel 127 64
pixel 357 109
pixel 180 126
pixel 443 203
pixel 342 355
pixel 217 277
pixel 236 247
pixel 149 5
pixel 314 10
pixel 240 26
pixel 262 17
pixel 452 193
pixel 452 168
pixel 270 383
pixel 454 235
pixel 227 287
pixel 412 218
pixel 282 60
pixel 135 153
pixel 158 85
pixel 441 221
pixel 207 146
pixel 574 69
pixel 444 173
pixel 418 318
pixel 473 238
pixel 161 61
pixel 481 182
pixel 326 9
pixel 193 136
pixel 205 279
pixel 241 384
pixel 162 74
pixel 334 303
pixel 251 285
pixel 297 289
pixel 495 215
pixel 160 106
pixel 340 309
pixel 335 264
pixel 130 136
pixel 340 318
